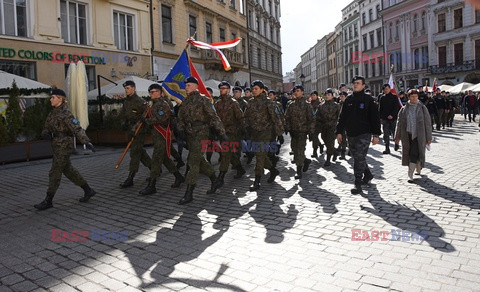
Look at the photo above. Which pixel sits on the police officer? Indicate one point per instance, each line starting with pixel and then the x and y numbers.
pixel 61 127
pixel 360 119
pixel 388 108
pixel 327 117
pixel 197 114
pixel 315 102
pixel 299 118
pixel 159 118
pixel 133 109
pixel 263 119
pixel 229 112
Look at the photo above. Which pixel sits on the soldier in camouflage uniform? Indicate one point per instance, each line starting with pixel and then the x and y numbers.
pixel 133 109
pixel 315 102
pixel 299 118
pixel 262 118
pixel 247 97
pixel 279 140
pixel 197 114
pixel 247 94
pixel 342 147
pixel 237 95
pixel 229 112
pixel 327 117
pixel 61 127
pixel 159 118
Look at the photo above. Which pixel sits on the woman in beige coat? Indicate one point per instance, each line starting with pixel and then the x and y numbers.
pixel 414 130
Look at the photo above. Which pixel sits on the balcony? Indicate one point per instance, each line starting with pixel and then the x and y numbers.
pixel 234 58
pixel 452 68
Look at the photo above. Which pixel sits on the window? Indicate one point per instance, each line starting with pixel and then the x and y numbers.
pixel 265 28
pixel 397 30
pixel 424 16
pixel 379 37
pixel 259 58
pixel 365 65
pixel 477 16
pixel 234 36
pixel 442 56
pixel 222 34
pixel 364 18
pixel 232 4
pixel 457 18
pixel 365 47
pixel 380 68
pixel 74 22
pixel 272 31
pixel 123 31
pixel 441 22
pixel 272 61
pixel 458 52
pixel 415 23
pixel 244 51
pixel 258 24
pixel 373 69
pixel 378 11
pixel 13 17
pixel 390 32
pixel 266 60
pixel 192 24
pixel 249 19
pixel 355 30
pixel 208 32
pixel 372 40
pixel 270 7
pixel 370 15
pixel 167 24
pixel 20 68
pixel 477 54
pixel 241 6
pixel 350 32
pixel 416 56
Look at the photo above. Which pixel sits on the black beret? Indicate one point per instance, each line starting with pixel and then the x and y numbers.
pixel 224 83
pixel 258 83
pixel 209 89
pixel 191 79
pixel 237 88
pixel 155 86
pixel 247 89
pixel 342 85
pixel 298 86
pixel 344 93
pixel 358 77
pixel 386 85
pixel 128 83
pixel 272 91
pixel 314 92
pixel 328 90
pixel 58 92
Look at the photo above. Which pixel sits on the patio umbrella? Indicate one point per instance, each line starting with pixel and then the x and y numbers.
pixel 6 80
pixel 118 92
pixel 71 87
pixel 474 88
pixel 460 88
pixel 81 102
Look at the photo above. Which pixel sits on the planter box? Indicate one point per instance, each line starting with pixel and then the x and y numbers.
pixel 112 137
pixel 25 151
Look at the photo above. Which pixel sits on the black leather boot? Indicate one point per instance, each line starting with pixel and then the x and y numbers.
pixel 306 164
pixel 46 203
pixel 256 184
pixel 213 188
pixel 387 150
pixel 335 155
pixel 150 188
pixel 240 172
pixel 88 193
pixel 321 148
pixel 327 162
pixel 188 197
pixel 367 176
pixel 299 173
pixel 178 180
pixel 357 189
pixel 129 181
pixel 273 174
pixel 314 155
pixel 220 180
pixel 342 155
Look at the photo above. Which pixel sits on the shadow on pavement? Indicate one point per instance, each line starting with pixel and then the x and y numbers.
pixel 314 193
pixel 459 197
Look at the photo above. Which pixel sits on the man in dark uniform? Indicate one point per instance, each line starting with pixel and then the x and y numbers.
pixel 159 118
pixel 61 127
pixel 229 112
pixel 299 118
pixel 263 119
pixel 360 119
pixel 315 102
pixel 432 107
pixel 422 96
pixel 388 110
pixel 133 109
pixel 327 117
pixel 440 101
pixel 195 118
pixel 237 95
pixel 342 147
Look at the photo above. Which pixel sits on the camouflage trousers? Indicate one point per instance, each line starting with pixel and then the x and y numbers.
pixel 196 160
pixel 160 157
pixel 263 162
pixel 316 141
pixel 298 144
pixel 61 165
pixel 359 147
pixel 230 156
pixel 138 153
pixel 328 137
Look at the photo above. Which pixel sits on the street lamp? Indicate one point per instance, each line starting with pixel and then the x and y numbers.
pixel 302 78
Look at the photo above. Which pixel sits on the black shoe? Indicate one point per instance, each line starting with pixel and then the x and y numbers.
pixel 179 179
pixel 213 188
pixel 306 164
pixel 342 155
pixel 273 174
pixel 129 181
pixel 299 173
pixel 387 150
pixel 314 155
pixel 335 155
pixel 396 147
pixel 367 177
pixel 220 180
pixel 150 188
pixel 240 172
pixel 44 205
pixel 327 162
pixel 249 157
pixel 321 148
pixel 180 164
pixel 188 197
pixel 349 153
pixel 88 193
pixel 291 153
pixel 256 184
pixel 357 189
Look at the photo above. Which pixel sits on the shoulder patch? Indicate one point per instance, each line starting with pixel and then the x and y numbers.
pixel 160 113
pixel 75 122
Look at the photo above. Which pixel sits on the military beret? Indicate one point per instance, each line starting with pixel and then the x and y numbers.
pixel 237 88
pixel 155 86
pixel 128 83
pixel 328 90
pixel 191 79
pixel 272 91
pixel 224 83
pixel 401 92
pixel 358 77
pixel 314 92
pixel 59 92
pixel 386 85
pixel 247 89
pixel 209 89
pixel 298 86
pixel 342 85
pixel 344 93
pixel 258 83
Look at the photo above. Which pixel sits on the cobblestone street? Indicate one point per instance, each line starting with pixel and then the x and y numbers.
pixel 290 236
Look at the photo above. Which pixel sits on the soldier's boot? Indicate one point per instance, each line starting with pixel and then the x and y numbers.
pixel 256 184
pixel 387 150
pixel 209 157
pixel 306 164
pixel 357 189
pixel 273 174
pixel 327 162
pixel 240 172
pixel 180 163
pixel 88 193
pixel 150 188
pixel 213 187
pixel 275 160
pixel 335 155
pixel 299 173
pixel 249 157
pixel 321 148
pixel 342 155
pixel 129 181
pixel 46 203
pixel 220 180
pixel 315 155
pixel 179 179
pixel 188 197
pixel 367 176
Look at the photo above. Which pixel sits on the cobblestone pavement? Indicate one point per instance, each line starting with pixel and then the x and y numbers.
pixel 289 237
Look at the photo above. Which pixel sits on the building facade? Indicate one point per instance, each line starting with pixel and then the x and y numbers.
pixel 339 55
pixel 332 81
pixel 263 21
pixel 308 70
pixel 39 39
pixel 351 35
pixel 322 64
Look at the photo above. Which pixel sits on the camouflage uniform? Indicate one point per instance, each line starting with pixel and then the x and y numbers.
pixel 243 103
pixel 231 115
pixel 327 117
pixel 316 141
pixel 196 116
pixel 299 118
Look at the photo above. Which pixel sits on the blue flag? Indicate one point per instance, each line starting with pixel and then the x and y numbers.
pixel 174 82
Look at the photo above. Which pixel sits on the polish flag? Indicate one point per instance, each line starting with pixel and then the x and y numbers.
pixel 434 85
pixel 216 47
pixel 393 90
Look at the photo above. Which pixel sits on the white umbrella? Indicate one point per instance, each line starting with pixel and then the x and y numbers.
pixel 117 91
pixel 81 102
pixel 445 87
pixel 474 88
pixel 460 88
pixel 71 87
pixel 6 80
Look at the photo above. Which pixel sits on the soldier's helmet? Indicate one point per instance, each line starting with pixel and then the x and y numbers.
pixel 224 83
pixel 328 90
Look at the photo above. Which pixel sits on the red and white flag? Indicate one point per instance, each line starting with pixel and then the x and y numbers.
pixel 216 47
pixel 393 87
pixel 434 85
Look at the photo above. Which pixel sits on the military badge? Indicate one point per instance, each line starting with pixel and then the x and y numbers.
pixel 75 122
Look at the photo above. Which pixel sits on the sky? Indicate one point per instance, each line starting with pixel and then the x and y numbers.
pixel 303 23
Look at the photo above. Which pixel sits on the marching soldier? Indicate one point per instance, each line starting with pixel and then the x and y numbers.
pixel 262 118
pixel 315 102
pixel 159 117
pixel 440 101
pixel 133 109
pixel 61 127
pixel 299 118
pixel 342 147
pixel 229 112
pixel 279 140
pixel 327 117
pixel 452 107
pixel 432 107
pixel 196 116
pixel 247 94
pixel 237 95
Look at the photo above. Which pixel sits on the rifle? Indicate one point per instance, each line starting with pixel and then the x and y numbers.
pixel 131 140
